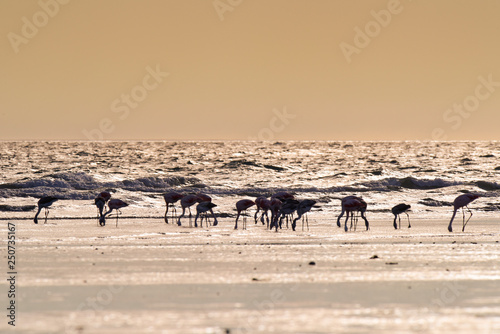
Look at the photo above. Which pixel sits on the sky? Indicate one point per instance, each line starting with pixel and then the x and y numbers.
pixel 249 69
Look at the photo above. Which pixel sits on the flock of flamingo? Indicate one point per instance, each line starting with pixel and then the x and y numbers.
pixel 281 205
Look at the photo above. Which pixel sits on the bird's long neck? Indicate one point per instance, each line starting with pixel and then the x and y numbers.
pixel 37 213
pixel 107 213
pixel 453 216
pixel 100 208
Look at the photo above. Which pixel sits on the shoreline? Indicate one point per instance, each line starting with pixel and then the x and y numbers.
pixel 148 277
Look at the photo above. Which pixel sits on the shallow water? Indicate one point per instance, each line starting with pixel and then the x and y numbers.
pixel 145 276
pixel 427 175
pixel 149 277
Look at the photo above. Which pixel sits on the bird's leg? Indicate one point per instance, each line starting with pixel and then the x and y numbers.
pixel 117 214
pixel 399 216
pixel 215 218
pixel 166 213
pixel 182 215
pixel 395 224
pixel 463 228
pixel 409 224
pixel 46 215
pixel 255 216
pixel 346 218
pixel 307 221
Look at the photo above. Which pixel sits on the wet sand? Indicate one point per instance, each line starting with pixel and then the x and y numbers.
pixel 149 277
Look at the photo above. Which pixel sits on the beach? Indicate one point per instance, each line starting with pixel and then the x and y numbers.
pixel 145 276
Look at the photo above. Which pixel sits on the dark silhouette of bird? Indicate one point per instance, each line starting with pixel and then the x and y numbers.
pixel 399 209
pixel 288 207
pixel 461 202
pixel 258 204
pixel 304 207
pixel 283 196
pixel 100 202
pixel 113 204
pixel 171 198
pixel 202 208
pixel 186 202
pixel 44 203
pixel 275 207
pixel 241 206
pixel 265 207
pixel 350 205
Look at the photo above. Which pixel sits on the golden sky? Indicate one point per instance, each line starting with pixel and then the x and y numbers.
pixel 250 69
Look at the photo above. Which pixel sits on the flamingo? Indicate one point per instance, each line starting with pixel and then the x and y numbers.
pixel 243 205
pixel 265 206
pixel 44 203
pixel 275 207
pixel 186 202
pixel 258 204
pixel 204 197
pixel 399 209
pixel 283 196
pixel 105 195
pixel 202 208
pixel 461 202
pixel 113 204
pixel 304 207
pixel 171 198
pixel 351 204
pixel 287 209
pixel 100 202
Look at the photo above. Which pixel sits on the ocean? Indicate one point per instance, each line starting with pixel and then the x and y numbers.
pixel 71 275
pixel 426 175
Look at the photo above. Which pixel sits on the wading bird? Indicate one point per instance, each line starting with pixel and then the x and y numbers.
pixel 187 202
pixel 275 207
pixel 283 196
pixel 243 205
pixel 100 202
pixel 350 205
pixel 304 207
pixel 461 202
pixel 44 203
pixel 399 209
pixel 113 204
pixel 265 206
pixel 258 203
pixel 202 208
pixel 171 198
pixel 287 209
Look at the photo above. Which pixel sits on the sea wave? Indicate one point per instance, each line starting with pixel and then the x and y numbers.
pixel 83 186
